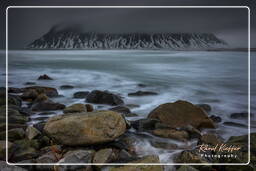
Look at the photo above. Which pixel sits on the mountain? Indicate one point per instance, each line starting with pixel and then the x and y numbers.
pixel 75 39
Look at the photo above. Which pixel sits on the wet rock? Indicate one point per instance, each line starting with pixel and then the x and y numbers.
pixel 29 95
pixel 75 108
pixel 49 91
pixel 171 133
pixel 181 113
pixel 242 115
pixel 13 134
pixel 86 128
pixel 163 145
pixel 121 109
pixel 142 93
pixel 14 90
pixel 44 77
pixel 210 139
pixel 26 149
pixel 89 107
pixel 3 149
pixel 146 159
pixel 104 156
pixel 132 105
pixel 32 132
pixel 131 115
pixel 49 157
pixel 5 167
pixel 47 105
pixel 13 117
pixel 12 125
pixel 144 124
pixel 30 83
pixel 64 87
pixel 216 119
pixel 193 132
pixel 104 97
pixel 190 156
pixel 142 85
pixel 40 126
pixel 14 100
pixel 126 142
pixel 81 94
pixel 77 156
pixel 235 124
pixel 40 98
pixel 124 156
pixel 205 107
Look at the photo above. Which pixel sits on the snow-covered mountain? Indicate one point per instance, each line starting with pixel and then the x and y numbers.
pixel 74 39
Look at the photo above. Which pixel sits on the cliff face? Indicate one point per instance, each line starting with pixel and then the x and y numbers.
pixel 71 39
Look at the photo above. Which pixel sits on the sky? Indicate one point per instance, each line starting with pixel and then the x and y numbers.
pixel 27 24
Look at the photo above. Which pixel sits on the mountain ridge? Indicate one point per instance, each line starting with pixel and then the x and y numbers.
pixel 74 39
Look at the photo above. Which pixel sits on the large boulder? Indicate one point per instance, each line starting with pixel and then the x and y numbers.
pixel 49 91
pixel 180 114
pixel 103 97
pixel 86 128
pixel 80 94
pixel 47 105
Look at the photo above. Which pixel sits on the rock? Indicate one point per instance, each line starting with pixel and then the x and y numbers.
pixel 181 113
pixel 242 115
pixel 49 157
pixel 13 134
pixel 44 77
pixel 210 139
pixel 190 156
pixel 187 168
pixel 75 108
pixel 142 93
pixel 142 85
pixel 131 115
pixel 121 109
pixel 89 107
pixel 163 145
pixel 49 91
pixel 3 149
pixel 126 142
pixel 30 83
pixel 104 156
pixel 14 116
pixel 193 132
pixel 29 95
pixel 235 124
pixel 14 90
pixel 86 128
pixel 146 159
pixel 40 98
pixel 40 126
pixel 11 126
pixel 81 94
pixel 104 97
pixel 66 87
pixel 14 100
pixel 6 167
pixel 144 124
pixel 32 132
pixel 132 105
pixel 171 133
pixel 205 107
pixel 124 156
pixel 77 156
pixel 47 105
pixel 26 149
pixel 215 118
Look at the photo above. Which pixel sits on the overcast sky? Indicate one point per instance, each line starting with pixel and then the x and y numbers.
pixel 27 24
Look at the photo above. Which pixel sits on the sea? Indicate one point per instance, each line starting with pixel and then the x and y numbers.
pixel 218 78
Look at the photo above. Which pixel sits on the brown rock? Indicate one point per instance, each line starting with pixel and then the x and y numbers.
pixel 171 133
pixel 75 108
pixel 181 113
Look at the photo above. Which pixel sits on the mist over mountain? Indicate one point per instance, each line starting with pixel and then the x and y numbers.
pixel 73 37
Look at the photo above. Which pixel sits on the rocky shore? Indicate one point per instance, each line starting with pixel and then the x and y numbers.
pixel 84 134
